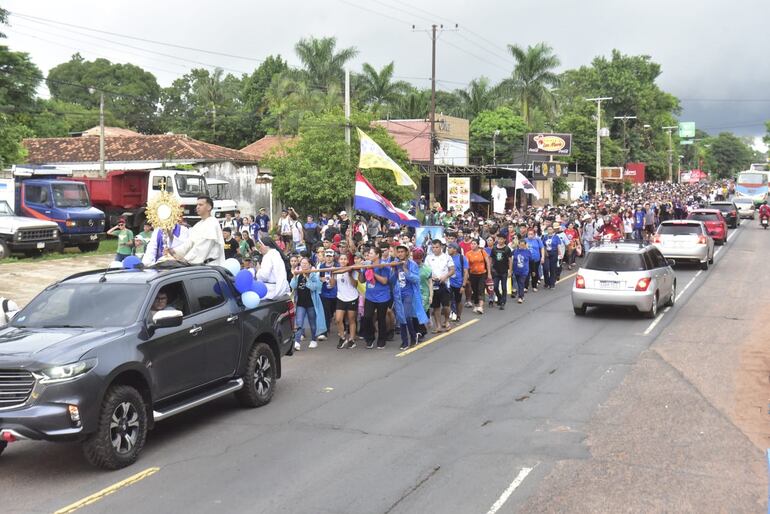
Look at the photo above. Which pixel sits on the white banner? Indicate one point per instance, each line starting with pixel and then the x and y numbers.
pixel 459 194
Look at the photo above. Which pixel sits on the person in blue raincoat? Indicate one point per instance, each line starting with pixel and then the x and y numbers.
pixel 307 301
pixel 407 299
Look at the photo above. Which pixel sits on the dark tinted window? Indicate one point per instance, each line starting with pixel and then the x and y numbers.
pixel 724 207
pixel 680 230
pixel 657 258
pixel 176 298
pixel 702 216
pixel 207 293
pixel 606 261
pixel 36 194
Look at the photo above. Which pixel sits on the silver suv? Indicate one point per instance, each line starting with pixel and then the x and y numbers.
pixel 627 275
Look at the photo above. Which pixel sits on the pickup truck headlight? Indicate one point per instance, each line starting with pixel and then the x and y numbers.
pixel 67 371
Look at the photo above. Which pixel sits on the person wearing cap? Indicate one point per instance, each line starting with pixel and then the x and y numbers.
pixel 458 280
pixel 125 239
pixel 141 239
pixel 344 222
pixel 328 289
pixel 263 223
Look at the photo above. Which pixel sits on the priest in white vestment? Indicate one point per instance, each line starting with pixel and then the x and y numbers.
pixel 205 244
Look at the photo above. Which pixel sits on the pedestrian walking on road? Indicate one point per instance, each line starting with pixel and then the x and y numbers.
pixel 480 270
pixel 442 268
pixel 521 268
pixel 501 268
pixel 307 300
pixel 537 254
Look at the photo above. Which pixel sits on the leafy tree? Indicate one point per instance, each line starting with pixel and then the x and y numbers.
pixel 511 127
pixel 532 76
pixel 318 172
pixel 378 88
pixel 253 93
pixel 129 91
pixel 19 78
pixel 289 100
pixel 3 19
pixel 580 124
pixel 479 96
pixel 730 154
pixel 323 64
pixel 414 105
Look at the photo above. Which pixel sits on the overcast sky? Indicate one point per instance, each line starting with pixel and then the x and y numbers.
pixel 713 52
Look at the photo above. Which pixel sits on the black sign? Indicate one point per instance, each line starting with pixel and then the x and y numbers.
pixel 549 144
pixel 542 170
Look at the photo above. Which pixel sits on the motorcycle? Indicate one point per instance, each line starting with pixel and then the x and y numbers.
pixel 763 220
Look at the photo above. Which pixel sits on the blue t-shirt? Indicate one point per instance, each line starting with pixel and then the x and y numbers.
pixel 326 291
pixel 534 245
pixel 377 292
pixel 263 221
pixel 639 219
pixel 253 229
pixel 521 260
pixel 461 264
pixel 551 244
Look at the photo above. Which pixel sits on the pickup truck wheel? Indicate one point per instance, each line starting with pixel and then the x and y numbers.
pixel 121 432
pixel 88 247
pixel 4 250
pixel 259 378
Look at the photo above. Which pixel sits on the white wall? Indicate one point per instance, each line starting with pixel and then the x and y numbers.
pixel 452 152
pixel 243 186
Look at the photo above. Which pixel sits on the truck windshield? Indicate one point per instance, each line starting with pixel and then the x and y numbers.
pixel 190 185
pixel 84 306
pixel 5 209
pixel 71 195
pixel 218 191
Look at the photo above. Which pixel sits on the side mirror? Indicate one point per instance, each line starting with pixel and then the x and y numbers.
pixel 167 319
pixel 671 262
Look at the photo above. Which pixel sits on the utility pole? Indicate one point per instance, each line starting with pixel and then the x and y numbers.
pixel 598 101
pixel 670 154
pixel 434 31
pixel 625 141
pixel 494 147
pixel 347 106
pixel 101 135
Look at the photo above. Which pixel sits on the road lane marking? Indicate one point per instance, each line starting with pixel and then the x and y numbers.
pixel 438 337
pixel 679 295
pixel 89 500
pixel 508 492
pixel 735 231
pixel 656 320
pixel 562 279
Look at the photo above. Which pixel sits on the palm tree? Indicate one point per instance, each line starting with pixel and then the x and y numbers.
pixel 477 97
pixel 414 105
pixel 378 88
pixel 323 65
pixel 532 76
pixel 212 94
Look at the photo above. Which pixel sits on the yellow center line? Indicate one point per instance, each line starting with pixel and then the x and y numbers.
pixel 88 500
pixel 438 337
pixel 562 279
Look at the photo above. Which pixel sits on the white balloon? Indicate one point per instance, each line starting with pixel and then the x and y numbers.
pixel 250 299
pixel 233 266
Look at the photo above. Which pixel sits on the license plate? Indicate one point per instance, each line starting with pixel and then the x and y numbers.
pixel 40 246
pixel 609 284
pixel 94 237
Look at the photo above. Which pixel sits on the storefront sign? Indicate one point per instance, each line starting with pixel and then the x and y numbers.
pixel 542 170
pixel 549 144
pixel 459 194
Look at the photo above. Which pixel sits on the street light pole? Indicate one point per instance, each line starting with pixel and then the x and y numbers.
pixel 598 101
pixel 670 154
pixel 625 141
pixel 101 135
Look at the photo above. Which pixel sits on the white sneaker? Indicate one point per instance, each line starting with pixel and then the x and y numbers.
pixel 302 337
pixel 297 347
pixel 320 338
pixel 313 344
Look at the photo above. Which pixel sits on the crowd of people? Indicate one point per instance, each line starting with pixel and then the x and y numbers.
pixel 370 279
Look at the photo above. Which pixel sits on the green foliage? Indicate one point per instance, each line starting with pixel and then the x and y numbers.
pixel 378 88
pixel 533 75
pixel 479 96
pixel 510 138
pixel 3 19
pixel 19 78
pixel 11 134
pixel 730 154
pixel 323 64
pixel 559 186
pixel 318 173
pixel 129 91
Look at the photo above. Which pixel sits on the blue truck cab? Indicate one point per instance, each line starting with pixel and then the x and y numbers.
pixel 45 194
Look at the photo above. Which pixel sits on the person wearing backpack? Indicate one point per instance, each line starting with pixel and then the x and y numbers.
pixel 9 310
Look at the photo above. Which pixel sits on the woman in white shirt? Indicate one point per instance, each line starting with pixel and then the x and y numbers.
pixel 272 270
pixel 347 303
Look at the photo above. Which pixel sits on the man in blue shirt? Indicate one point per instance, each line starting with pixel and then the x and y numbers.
pixel 458 280
pixel 638 222
pixel 521 259
pixel 551 244
pixel 328 294
pixel 263 222
pixel 537 257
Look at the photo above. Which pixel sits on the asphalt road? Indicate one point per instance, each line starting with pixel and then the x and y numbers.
pixel 470 423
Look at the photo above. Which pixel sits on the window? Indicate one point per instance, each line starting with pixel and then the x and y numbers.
pixel 206 291
pixel 190 186
pixel 658 259
pixel 649 261
pixel 704 216
pixel 175 299
pixel 689 229
pixel 71 195
pixel 606 261
pixel 159 181
pixel 35 194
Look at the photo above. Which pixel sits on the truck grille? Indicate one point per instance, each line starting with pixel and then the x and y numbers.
pixel 45 234
pixel 15 387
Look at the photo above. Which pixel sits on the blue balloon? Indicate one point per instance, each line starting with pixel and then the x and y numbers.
pixel 131 262
pixel 233 266
pixel 260 288
pixel 250 299
pixel 243 281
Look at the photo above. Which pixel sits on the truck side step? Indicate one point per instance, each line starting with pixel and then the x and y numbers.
pixel 205 397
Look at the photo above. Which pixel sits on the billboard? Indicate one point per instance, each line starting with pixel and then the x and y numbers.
pixel 635 172
pixel 542 170
pixel 549 144
pixel 458 194
pixel 687 129
pixel 612 174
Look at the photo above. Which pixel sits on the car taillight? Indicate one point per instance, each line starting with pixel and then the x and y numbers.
pixel 643 284
pixel 656 238
pixel 292 312
pixel 580 282
pixel 702 240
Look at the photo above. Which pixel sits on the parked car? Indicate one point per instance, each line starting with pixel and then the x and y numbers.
pixel 102 356
pixel 685 240
pixel 714 221
pixel 729 212
pixel 624 274
pixel 746 208
pixel 29 236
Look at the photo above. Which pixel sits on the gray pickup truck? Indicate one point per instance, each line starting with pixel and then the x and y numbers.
pixel 25 235
pixel 100 356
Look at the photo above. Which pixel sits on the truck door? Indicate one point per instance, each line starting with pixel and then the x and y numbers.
pixel 175 356
pixel 220 326
pixel 36 200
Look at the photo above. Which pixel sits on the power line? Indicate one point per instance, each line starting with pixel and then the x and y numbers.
pixel 351 4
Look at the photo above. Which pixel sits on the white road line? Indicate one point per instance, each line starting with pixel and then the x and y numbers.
pixel 656 321
pixel 678 296
pixel 735 231
pixel 508 492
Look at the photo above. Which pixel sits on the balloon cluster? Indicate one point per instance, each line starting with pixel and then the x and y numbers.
pixel 252 291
